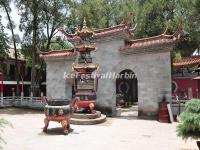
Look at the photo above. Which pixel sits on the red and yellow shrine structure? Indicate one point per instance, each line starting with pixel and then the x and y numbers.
pixel 85 84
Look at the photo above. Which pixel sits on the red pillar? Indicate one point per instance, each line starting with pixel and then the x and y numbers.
pixel 1 84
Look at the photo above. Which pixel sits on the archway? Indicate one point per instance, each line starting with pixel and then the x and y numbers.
pixel 126 88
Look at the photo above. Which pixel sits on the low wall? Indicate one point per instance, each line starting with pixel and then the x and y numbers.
pixel 24 102
pixel 175 109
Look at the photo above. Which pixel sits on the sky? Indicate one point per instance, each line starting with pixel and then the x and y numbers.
pixel 15 17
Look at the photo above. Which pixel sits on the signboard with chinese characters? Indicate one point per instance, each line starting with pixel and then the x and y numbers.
pixel 85 86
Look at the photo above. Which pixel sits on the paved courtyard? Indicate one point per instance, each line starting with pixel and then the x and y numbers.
pixel 125 133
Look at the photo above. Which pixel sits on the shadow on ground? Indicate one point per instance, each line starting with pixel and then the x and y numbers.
pixel 17 111
pixel 57 131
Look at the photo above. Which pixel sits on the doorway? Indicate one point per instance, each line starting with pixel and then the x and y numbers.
pixel 126 88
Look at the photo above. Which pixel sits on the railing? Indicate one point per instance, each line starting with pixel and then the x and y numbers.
pixel 178 106
pixel 31 102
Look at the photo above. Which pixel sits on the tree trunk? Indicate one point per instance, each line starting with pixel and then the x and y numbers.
pixel 34 48
pixel 48 44
pixel 49 39
pixel 15 49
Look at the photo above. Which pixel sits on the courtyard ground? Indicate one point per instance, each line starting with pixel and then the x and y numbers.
pixel 124 133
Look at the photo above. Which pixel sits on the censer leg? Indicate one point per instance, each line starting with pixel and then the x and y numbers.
pixel 64 124
pixel 46 122
pixel 68 126
pixel 91 106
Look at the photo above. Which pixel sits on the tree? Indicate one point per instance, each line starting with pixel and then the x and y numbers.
pixel 154 16
pixel 30 23
pixel 5 4
pixel 55 15
pixel 40 21
pixel 93 10
pixel 59 44
pixel 185 12
pixel 121 9
pixel 4 43
pixel 190 121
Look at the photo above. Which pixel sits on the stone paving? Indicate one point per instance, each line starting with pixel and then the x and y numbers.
pixel 123 133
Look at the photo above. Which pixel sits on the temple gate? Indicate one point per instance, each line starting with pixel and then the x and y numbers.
pixel 149 58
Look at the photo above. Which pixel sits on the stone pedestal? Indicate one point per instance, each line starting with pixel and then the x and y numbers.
pixel 87 119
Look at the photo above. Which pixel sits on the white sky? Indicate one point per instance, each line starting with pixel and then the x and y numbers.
pixel 15 17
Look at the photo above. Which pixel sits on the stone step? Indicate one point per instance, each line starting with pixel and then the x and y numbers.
pixel 76 121
pixel 86 116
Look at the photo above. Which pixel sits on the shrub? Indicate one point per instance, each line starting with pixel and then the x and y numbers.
pixel 190 121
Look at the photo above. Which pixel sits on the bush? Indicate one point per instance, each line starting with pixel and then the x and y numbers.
pixel 190 121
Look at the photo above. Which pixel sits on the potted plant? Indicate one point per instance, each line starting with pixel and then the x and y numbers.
pixel 189 126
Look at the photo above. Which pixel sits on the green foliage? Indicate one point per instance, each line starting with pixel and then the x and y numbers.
pixel 60 44
pixel 177 56
pixel 54 14
pixel 3 45
pixel 93 10
pixel 100 13
pixel 190 121
pixel 190 12
pixel 154 16
pixel 4 42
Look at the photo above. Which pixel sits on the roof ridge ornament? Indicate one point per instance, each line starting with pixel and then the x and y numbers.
pixel 84 24
pixel 85 31
pixel 127 20
pixel 134 28
pixel 166 30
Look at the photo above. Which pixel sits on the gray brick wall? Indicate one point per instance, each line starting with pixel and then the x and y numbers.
pixel 57 86
pixel 153 71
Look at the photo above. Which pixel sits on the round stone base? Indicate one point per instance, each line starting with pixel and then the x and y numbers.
pixel 88 121
pixel 86 116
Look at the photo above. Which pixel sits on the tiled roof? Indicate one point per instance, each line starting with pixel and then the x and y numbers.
pixel 107 31
pixel 188 61
pixel 63 53
pixel 153 41
pixel 84 47
pixel 123 30
pixel 103 32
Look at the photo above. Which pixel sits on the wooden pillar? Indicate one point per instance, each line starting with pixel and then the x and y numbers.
pixel 1 88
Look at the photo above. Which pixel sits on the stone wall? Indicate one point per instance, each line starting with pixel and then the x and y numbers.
pixel 153 71
pixel 57 86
